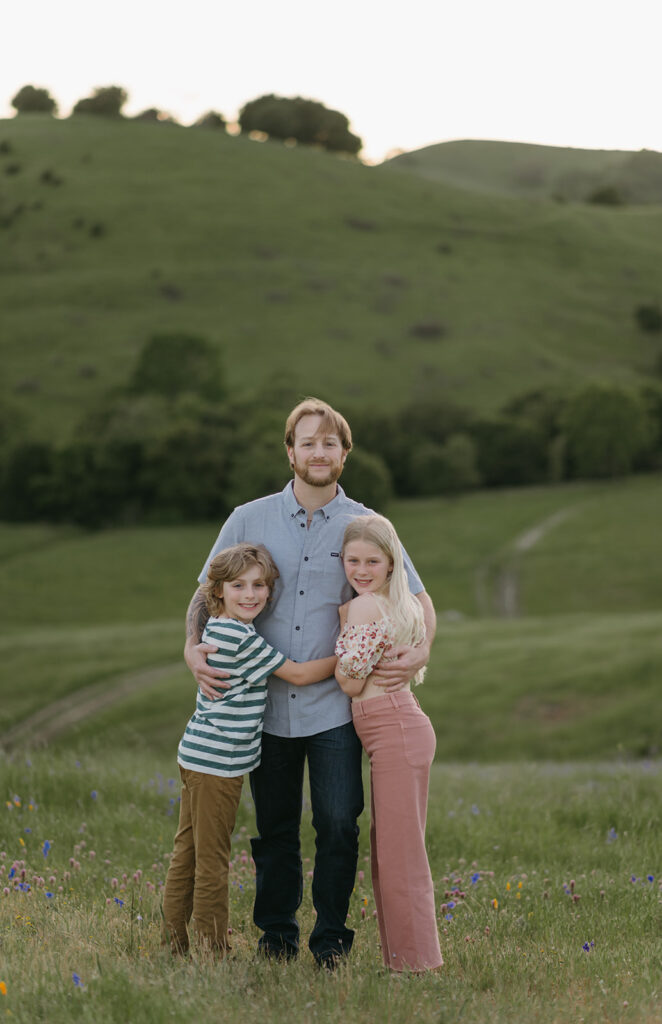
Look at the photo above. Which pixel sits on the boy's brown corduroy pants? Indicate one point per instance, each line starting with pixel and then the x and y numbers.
pixel 197 881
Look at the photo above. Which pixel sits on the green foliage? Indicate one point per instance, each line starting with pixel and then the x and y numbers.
pixel 31 100
pixel 173 364
pixel 307 121
pixel 155 116
pixel 366 478
pixel 607 432
pixel 649 317
pixel 447 468
pixel 509 453
pixel 606 195
pixel 105 101
pixel 212 119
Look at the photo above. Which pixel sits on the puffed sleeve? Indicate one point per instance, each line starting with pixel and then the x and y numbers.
pixel 360 647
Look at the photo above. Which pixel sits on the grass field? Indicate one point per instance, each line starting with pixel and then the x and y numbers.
pixel 547 886
pixel 291 260
pixel 572 671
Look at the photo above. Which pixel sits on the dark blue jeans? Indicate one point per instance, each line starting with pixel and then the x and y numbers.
pixel 336 792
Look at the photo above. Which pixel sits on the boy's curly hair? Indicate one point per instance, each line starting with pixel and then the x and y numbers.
pixel 230 563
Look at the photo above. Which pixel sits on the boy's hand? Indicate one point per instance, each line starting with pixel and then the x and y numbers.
pixel 209 679
pixel 399 666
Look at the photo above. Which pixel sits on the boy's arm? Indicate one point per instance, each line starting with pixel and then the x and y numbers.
pixel 302 673
pixel 210 680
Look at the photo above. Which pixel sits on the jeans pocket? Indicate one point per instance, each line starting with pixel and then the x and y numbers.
pixel 419 741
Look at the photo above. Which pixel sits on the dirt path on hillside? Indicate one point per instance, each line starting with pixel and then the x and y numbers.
pixel 54 719
pixel 497 579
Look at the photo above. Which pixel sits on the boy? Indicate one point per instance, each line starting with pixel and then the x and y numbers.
pixel 222 742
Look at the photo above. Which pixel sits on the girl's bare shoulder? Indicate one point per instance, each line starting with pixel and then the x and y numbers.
pixel 363 608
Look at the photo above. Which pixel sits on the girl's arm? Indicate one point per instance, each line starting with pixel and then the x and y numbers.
pixel 361 610
pixel 302 673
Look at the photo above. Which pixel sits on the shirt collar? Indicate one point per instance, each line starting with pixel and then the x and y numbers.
pixel 330 509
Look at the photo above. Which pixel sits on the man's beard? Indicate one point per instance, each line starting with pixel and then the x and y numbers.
pixel 303 472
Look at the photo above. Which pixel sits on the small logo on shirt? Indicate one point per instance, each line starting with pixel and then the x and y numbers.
pixel 335 554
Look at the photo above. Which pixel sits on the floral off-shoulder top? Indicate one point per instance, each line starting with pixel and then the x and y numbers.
pixel 360 647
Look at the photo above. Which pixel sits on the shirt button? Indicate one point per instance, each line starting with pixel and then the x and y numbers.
pixel 302 525
pixel 297 627
pixel 305 558
pixel 301 592
pixel 293 696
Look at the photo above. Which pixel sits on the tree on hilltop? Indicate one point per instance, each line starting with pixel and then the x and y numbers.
pixel 212 119
pixel 30 100
pixel 106 101
pixel 307 121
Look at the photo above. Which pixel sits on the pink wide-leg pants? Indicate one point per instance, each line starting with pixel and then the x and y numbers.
pixel 400 742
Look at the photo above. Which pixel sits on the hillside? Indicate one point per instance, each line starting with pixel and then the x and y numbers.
pixel 525 170
pixel 371 287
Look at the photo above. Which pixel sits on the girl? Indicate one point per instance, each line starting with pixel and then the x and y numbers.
pixel 222 742
pixel 396 735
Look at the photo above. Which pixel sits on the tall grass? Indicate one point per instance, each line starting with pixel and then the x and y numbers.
pixel 547 886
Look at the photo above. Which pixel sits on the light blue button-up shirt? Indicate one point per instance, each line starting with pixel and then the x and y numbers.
pixel 301 620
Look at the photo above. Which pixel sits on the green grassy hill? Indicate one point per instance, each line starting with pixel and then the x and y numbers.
pixel 298 263
pixel 571 669
pixel 522 169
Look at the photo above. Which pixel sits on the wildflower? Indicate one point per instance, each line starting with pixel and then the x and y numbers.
pixel 495 903
pixel 21 840
pixel 588 946
pixel 633 878
pixel 451 904
pixel 449 917
pixel 651 878
pixel 612 835
pixel 46 847
pixel 475 878
pixel 508 886
pixel 475 809
pixel 93 794
pixel 119 902
pixel 17 801
pixel 3 988
pixel 77 980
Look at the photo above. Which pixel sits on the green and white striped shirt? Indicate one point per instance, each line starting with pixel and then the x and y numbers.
pixel 224 736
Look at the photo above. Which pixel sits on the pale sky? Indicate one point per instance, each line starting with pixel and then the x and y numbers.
pixel 582 73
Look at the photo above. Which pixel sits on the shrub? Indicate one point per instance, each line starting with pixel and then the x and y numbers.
pixel 509 453
pixel 173 364
pixel 447 468
pixel 29 100
pixel 649 317
pixel 105 101
pixel 366 478
pixel 607 431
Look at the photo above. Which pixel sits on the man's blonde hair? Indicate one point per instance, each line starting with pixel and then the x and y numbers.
pixel 331 421
pixel 230 563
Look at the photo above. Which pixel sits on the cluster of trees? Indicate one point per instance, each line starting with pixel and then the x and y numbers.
pixel 306 121
pixel 174 446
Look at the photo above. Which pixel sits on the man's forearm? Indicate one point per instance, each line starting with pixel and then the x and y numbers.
pixel 196 618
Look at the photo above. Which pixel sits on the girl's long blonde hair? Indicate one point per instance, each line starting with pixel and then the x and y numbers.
pixel 403 609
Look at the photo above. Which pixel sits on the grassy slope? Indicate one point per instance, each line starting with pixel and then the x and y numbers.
pixel 256 241
pixel 512 168
pixel 550 684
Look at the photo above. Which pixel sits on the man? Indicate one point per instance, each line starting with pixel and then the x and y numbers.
pixel 303 527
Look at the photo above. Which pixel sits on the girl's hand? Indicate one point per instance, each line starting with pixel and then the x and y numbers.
pixel 399 667
pixel 210 680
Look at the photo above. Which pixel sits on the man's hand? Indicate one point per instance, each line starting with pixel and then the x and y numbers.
pixel 210 680
pixel 399 666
